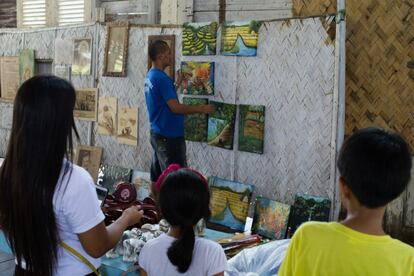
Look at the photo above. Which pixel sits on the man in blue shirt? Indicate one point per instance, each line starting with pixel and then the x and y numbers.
pixel 166 113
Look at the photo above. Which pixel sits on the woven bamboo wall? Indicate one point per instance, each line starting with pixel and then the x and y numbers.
pixel 313 7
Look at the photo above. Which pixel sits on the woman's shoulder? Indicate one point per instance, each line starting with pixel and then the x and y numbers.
pixel 206 244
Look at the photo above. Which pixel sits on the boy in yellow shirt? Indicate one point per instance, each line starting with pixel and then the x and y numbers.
pixel 375 169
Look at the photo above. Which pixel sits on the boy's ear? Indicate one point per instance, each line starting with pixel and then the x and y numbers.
pixel 345 191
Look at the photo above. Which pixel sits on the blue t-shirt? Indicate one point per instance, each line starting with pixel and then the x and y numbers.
pixel 159 89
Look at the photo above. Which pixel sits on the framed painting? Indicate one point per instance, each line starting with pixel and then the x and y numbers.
pixel 251 128
pixel 199 39
pixel 195 125
pixel 10 78
pixel 107 112
pixel 109 176
pixel 116 49
pixel 142 182
pixel 270 218
pixel 197 78
pixel 170 40
pixel 308 208
pixel 26 64
pixel 127 129
pixel 239 38
pixel 229 202
pixel 89 158
pixel 86 105
pixel 62 71
pixel 221 125
pixel 82 56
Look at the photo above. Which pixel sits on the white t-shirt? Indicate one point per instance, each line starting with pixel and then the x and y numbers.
pixel 208 258
pixel 77 210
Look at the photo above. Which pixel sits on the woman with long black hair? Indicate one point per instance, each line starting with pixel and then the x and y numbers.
pixel 184 199
pixel 49 210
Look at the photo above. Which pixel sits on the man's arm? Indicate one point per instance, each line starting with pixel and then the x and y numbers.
pixel 179 108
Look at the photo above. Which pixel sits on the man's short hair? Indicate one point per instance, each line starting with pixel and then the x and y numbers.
pixel 376 165
pixel 156 48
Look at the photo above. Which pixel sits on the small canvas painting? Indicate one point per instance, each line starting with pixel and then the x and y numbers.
pixel 199 39
pixel 239 38
pixel 127 126
pixel 142 182
pixel 86 105
pixel 197 78
pixel 271 218
pixel 82 56
pixel 221 125
pixel 89 158
pixel 62 71
pixel 251 128
pixel 110 175
pixel 26 64
pixel 195 125
pixel 308 208
pixel 107 112
pixel 229 202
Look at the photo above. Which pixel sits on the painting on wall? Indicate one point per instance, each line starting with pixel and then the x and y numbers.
pixel 116 49
pixel 271 218
pixel 199 39
pixel 239 38
pixel 109 176
pixel 170 40
pixel 63 51
pixel 107 112
pixel 195 125
pixel 221 125
pixel 89 158
pixel 82 56
pixel 229 202
pixel 62 71
pixel 86 105
pixel 308 208
pixel 10 79
pixel 26 64
pixel 127 126
pixel 251 128
pixel 197 78
pixel 142 182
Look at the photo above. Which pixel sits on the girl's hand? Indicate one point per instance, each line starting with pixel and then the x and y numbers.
pixel 133 215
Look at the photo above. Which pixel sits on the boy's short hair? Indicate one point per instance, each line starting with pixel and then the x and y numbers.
pixel 376 165
pixel 156 48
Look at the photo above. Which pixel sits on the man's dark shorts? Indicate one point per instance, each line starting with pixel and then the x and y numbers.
pixel 167 151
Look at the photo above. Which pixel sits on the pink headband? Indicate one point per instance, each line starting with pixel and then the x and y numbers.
pixel 173 168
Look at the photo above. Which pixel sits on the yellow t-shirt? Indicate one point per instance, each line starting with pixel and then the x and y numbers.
pixel 332 249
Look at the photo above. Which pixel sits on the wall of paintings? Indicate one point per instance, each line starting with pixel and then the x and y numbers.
pixel 279 105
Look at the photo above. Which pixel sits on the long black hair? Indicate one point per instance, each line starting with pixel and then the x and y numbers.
pixel 40 140
pixel 184 200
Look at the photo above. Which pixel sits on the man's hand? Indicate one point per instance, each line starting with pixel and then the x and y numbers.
pixel 179 78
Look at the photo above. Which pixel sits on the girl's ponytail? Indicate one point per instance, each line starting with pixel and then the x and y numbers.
pixel 181 251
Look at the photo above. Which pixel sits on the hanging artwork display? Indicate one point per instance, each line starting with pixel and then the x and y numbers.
pixel 26 64
pixel 89 158
pixel 251 128
pixel 239 38
pixel 63 51
pixel 197 78
pixel 107 112
pixel 127 126
pixel 229 202
pixel 170 40
pixel 10 78
pixel 109 176
pixel 270 218
pixel 308 208
pixel 62 71
pixel 82 56
pixel 142 182
pixel 86 105
pixel 116 49
pixel 195 125
pixel 221 125
pixel 199 39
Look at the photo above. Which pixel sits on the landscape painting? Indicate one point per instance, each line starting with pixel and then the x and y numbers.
pixel 229 202
pixel 195 125
pixel 271 218
pixel 221 125
pixel 197 78
pixel 110 175
pixel 199 39
pixel 308 208
pixel 239 38
pixel 251 128
pixel 26 64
